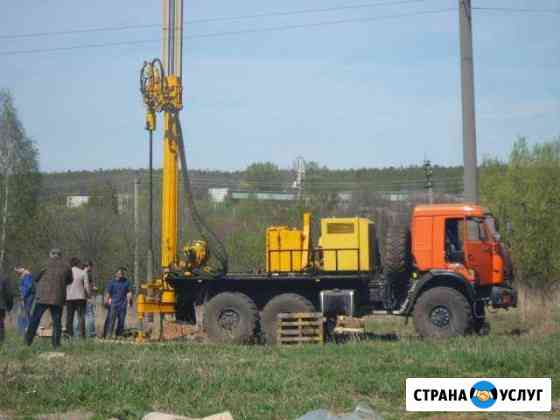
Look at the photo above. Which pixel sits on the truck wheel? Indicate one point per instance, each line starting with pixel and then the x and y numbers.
pixel 397 266
pixel 442 312
pixel 231 318
pixel 284 303
pixel 397 262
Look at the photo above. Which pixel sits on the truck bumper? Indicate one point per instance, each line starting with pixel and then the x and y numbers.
pixel 503 297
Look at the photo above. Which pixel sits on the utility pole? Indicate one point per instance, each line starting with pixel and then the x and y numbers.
pixel 300 176
pixel 136 235
pixel 429 184
pixel 470 177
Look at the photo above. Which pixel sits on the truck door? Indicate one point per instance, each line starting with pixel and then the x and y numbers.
pixel 478 247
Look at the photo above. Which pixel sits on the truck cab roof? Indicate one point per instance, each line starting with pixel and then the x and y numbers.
pixel 452 209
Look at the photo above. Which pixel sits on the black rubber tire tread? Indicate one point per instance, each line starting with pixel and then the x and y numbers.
pixel 284 303
pixel 245 333
pixel 397 266
pixel 460 310
pixel 397 261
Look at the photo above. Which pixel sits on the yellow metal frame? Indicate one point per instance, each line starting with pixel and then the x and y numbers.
pixel 164 93
pixel 170 193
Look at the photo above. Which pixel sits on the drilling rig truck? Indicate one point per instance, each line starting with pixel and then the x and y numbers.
pixel 443 268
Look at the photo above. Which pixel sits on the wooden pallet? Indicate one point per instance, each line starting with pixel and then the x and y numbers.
pixel 301 327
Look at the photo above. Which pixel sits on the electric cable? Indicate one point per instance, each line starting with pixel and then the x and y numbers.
pixel 229 33
pixel 210 20
pixel 514 10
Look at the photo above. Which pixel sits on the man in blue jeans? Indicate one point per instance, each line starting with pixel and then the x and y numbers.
pixel 118 294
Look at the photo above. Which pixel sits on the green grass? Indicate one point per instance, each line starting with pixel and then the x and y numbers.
pixel 125 381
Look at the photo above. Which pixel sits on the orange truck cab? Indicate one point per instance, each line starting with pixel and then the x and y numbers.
pixel 456 249
pixel 459 238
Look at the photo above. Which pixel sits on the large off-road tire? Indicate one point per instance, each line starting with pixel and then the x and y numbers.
pixel 442 312
pixel 397 266
pixel 231 318
pixel 284 303
pixel 397 261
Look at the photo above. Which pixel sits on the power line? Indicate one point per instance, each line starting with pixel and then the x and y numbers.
pixel 228 33
pixel 222 179
pixel 507 9
pixel 212 19
pixel 79 47
pixel 317 24
pixel 79 31
pixel 121 187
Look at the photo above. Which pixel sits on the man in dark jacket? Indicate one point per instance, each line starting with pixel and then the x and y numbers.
pixel 6 304
pixel 51 294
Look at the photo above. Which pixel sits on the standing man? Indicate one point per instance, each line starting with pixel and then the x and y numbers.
pixel 27 292
pixel 90 305
pixel 118 294
pixel 76 297
pixel 51 294
pixel 6 304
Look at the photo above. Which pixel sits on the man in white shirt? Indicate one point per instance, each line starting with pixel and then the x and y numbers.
pixel 76 297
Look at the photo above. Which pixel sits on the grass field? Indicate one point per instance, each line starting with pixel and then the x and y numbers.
pixel 126 381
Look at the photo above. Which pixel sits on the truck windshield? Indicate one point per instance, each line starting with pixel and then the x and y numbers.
pixel 490 223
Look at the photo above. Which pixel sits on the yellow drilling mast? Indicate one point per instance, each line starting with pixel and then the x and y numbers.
pixel 162 91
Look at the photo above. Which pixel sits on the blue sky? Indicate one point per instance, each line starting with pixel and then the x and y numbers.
pixel 379 93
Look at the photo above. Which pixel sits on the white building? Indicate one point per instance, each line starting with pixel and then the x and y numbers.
pixel 218 195
pixel 75 201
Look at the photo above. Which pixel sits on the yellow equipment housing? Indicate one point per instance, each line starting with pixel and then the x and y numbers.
pixel 347 244
pixel 287 249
